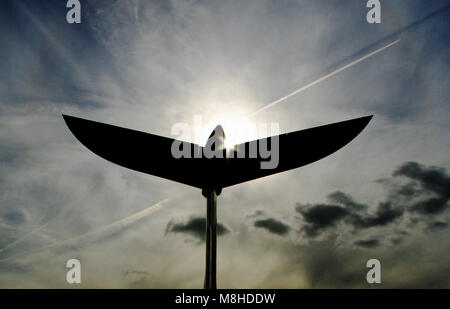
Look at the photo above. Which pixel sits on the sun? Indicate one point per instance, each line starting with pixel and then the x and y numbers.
pixel 238 129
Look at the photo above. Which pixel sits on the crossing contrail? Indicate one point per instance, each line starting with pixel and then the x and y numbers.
pixel 97 232
pixel 119 223
pixel 321 79
pixel 24 237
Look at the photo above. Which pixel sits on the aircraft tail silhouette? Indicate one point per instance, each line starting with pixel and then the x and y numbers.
pixel 152 154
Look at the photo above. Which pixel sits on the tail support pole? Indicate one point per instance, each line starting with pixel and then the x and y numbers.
pixel 211 239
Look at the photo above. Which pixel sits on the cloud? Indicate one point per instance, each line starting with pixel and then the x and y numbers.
pixel 403 266
pixel 320 217
pixel 272 225
pixel 369 243
pixel 345 200
pixel 412 197
pixel 256 213
pixel 384 214
pixel 430 206
pixel 425 181
pixel 436 226
pixel 196 227
pixel 432 178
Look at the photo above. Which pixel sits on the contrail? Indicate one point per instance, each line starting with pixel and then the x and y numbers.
pixel 323 78
pixel 119 223
pixel 24 237
pixel 99 231
pixel 62 50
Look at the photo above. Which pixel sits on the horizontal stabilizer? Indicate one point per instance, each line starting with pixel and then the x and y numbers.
pixel 152 154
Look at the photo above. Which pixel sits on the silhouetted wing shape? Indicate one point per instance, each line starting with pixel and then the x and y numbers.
pixel 152 154
pixel 143 152
pixel 295 149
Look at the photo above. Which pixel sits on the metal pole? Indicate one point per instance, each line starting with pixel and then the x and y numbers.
pixel 211 237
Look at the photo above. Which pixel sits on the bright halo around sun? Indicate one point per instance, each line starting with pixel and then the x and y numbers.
pixel 238 129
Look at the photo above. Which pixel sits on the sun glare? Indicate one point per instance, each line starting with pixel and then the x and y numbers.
pixel 237 128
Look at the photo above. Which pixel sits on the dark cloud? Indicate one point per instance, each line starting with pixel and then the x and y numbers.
pixel 430 206
pixel 384 215
pixel 320 216
pixel 368 243
pixel 436 226
pixel 401 233
pixel 396 240
pixel 426 193
pixel 425 181
pixel 195 227
pixel 431 178
pixel 272 225
pixel 410 189
pixel 345 200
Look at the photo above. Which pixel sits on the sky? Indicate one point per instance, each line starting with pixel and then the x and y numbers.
pixel 148 65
